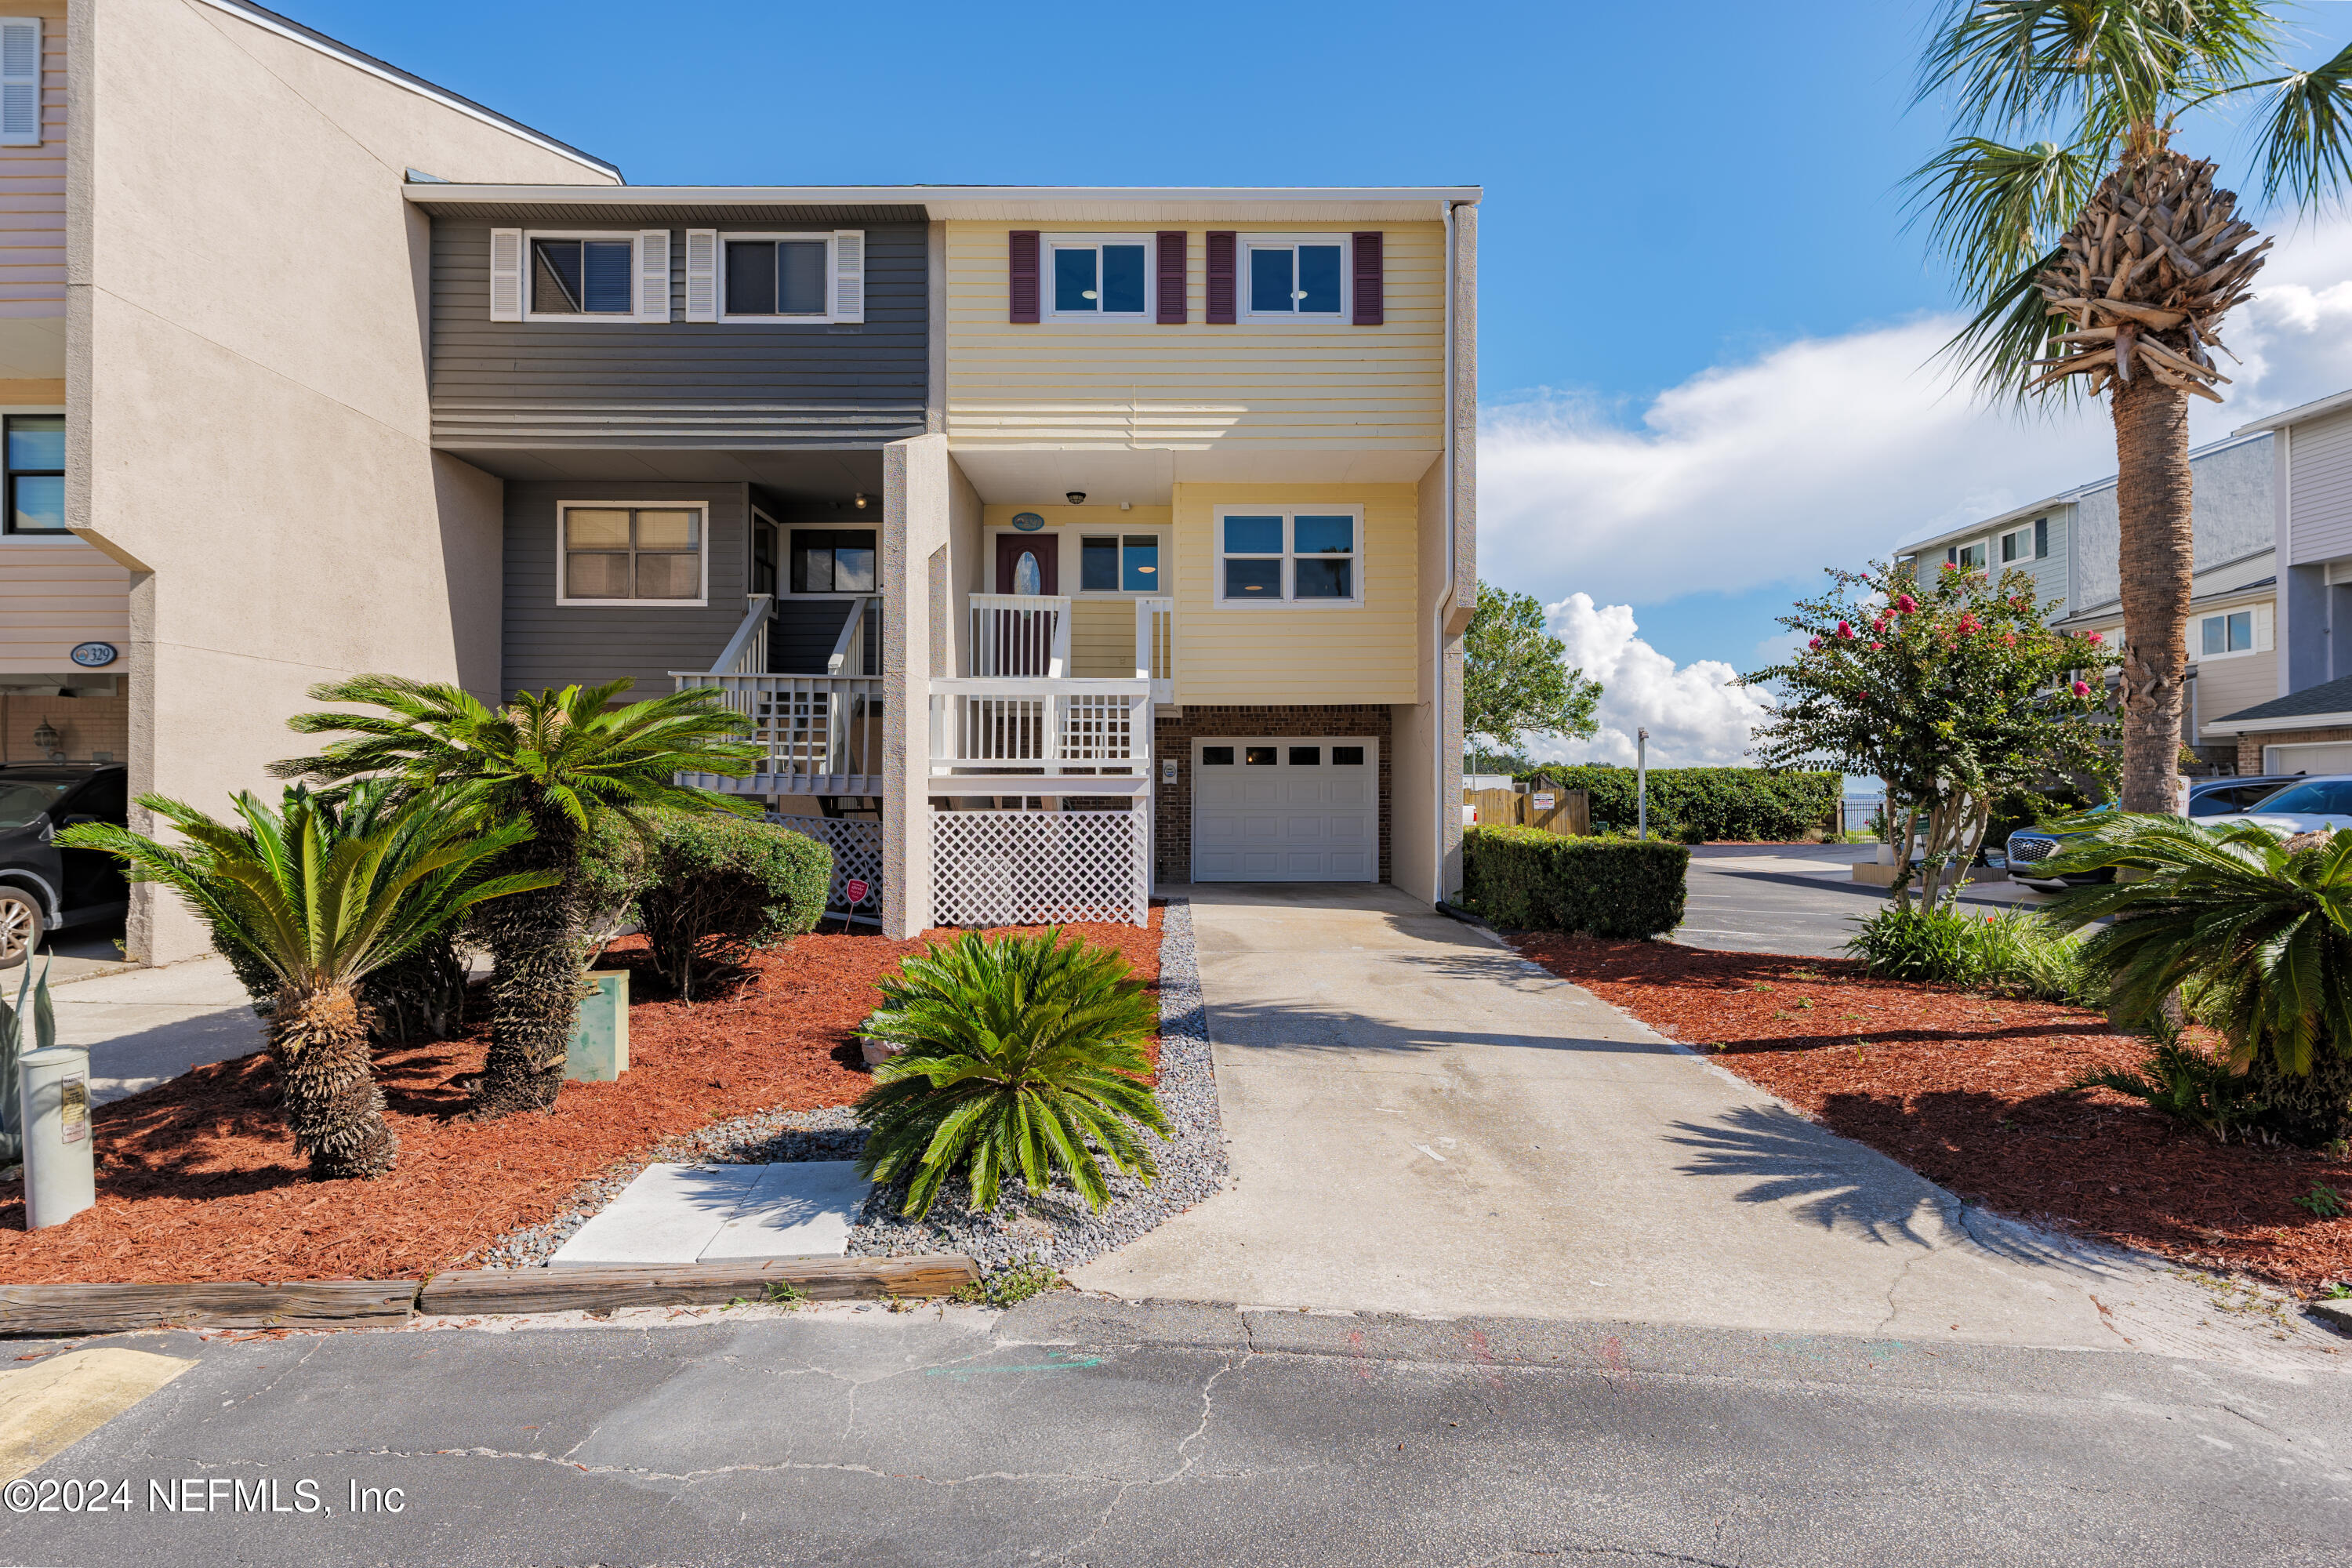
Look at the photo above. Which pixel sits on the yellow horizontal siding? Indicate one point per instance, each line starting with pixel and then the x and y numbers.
pixel 1102 638
pixel 1196 386
pixel 53 594
pixel 33 185
pixel 1308 655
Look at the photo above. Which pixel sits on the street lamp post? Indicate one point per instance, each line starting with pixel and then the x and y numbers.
pixel 1641 782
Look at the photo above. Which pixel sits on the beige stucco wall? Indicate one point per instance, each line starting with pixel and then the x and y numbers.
pixel 926 505
pixel 245 387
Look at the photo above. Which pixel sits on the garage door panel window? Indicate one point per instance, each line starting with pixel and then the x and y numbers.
pixel 1302 556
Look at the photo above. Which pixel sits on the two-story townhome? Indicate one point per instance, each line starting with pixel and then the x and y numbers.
pixel 1052 542
pixel 2301 720
pixel 2069 542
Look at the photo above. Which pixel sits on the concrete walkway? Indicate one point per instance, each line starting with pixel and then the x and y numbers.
pixel 1420 1121
pixel 148 1025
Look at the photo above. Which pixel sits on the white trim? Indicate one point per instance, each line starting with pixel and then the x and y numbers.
pixel 1417 202
pixel 2272 726
pixel 24 85
pixel 701 508
pixel 1140 239
pixel 1162 533
pixel 2258 630
pixel 833 278
pixel 418 85
pixel 651 263
pixel 634 314
pixel 507 273
pixel 1288 512
pixel 848 273
pixel 702 275
pixel 1243 244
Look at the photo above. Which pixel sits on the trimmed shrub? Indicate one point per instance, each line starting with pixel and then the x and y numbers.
pixel 2016 953
pixel 719 887
pixel 1696 804
pixel 1529 880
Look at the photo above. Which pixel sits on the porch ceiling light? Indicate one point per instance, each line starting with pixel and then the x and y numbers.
pixel 861 500
pixel 1076 497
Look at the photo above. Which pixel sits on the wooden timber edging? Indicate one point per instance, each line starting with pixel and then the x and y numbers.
pixel 360 1303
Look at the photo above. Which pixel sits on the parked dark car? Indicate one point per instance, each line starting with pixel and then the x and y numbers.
pixel 2207 797
pixel 43 888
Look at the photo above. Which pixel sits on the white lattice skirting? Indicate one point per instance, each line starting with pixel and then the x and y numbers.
pixel 1040 867
pixel 857 847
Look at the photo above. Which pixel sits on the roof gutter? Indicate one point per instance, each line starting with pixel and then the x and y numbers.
pixel 2272 726
pixel 1440 199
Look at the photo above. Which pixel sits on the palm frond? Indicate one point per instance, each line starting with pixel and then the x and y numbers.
pixel 2304 144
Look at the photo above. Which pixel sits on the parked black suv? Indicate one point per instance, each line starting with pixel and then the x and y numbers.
pixel 2028 847
pixel 42 886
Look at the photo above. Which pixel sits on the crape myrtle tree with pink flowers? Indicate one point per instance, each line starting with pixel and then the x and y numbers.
pixel 1954 692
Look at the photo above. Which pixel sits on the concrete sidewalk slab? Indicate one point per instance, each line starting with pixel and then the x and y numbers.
pixel 146 1026
pixel 688 1214
pixel 1419 1121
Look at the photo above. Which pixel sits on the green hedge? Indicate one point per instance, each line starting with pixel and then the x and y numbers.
pixel 1529 880
pixel 1696 804
pixel 719 885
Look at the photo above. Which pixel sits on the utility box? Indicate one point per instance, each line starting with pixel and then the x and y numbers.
pixel 599 1051
pixel 60 1146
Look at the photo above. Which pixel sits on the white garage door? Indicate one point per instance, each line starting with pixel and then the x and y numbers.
pixel 2313 757
pixel 1286 809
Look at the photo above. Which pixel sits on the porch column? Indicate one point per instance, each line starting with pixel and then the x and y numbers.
pixel 916 488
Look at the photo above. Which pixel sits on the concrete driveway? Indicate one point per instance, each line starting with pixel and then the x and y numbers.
pixel 1796 898
pixel 1422 1122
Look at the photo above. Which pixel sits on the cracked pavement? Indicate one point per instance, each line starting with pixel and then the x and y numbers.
pixel 1077 1430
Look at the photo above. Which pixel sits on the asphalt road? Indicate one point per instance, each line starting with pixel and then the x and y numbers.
pixel 1793 898
pixel 1076 1431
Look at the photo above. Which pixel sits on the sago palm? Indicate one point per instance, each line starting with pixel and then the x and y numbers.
pixel 321 903
pixel 2257 934
pixel 555 761
pixel 2098 258
pixel 1019 1055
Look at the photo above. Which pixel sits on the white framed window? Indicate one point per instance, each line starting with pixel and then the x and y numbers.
pixel 1099 277
pixel 578 277
pixel 1308 556
pixel 2019 545
pixel 832 562
pixel 1972 557
pixel 2228 633
pixel 647 554
pixel 20 82
pixel 32 472
pixel 1124 562
pixel 775 278
pixel 1294 277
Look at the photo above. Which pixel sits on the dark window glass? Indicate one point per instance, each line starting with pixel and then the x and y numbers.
pixel 1326 580
pixel 1318 279
pixel 2325 797
pixel 750 279
pixel 763 559
pixel 2040 538
pixel 1098 565
pixel 1270 280
pixel 581 277
pixel 1325 535
pixel 800 277
pixel 2219 802
pixel 37 442
pixel 1216 756
pixel 105 797
pixel 555 277
pixel 618 552
pixel 2011 546
pixel 1139 571
pixel 1253 536
pixel 1253 579
pixel 2214 636
pixel 833 561
pixel 1257 756
pixel 1305 756
pixel 1074 281
pixel 607 267
pixel 2241 631
pixel 1346 756
pixel 1122 277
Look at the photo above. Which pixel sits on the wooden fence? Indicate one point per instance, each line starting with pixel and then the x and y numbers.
pixel 1569 811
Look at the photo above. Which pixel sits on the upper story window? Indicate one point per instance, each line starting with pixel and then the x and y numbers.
pixel 2030 543
pixel 833 561
pixel 619 553
pixel 35 454
pixel 2233 631
pixel 1969 557
pixel 584 277
pixel 1308 555
pixel 1119 564
pixel 779 277
pixel 1093 279
pixel 20 82
pixel 1294 277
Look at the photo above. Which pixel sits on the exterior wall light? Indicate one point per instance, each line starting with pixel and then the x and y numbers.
pixel 1076 497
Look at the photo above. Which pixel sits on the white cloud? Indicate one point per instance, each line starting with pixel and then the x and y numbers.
pixel 1697 714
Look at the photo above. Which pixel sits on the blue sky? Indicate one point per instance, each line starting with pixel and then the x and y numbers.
pixel 1705 338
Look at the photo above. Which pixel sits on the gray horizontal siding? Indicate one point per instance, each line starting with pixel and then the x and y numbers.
pixel 548 644
pixel 2319 489
pixel 801 637
pixel 678 384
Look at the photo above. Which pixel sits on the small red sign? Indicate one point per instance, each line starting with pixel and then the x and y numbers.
pixel 856 889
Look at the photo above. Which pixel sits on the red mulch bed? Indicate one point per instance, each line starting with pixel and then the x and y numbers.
pixel 197 1179
pixel 1966 1090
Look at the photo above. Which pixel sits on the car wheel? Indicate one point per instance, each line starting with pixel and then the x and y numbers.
pixel 21 926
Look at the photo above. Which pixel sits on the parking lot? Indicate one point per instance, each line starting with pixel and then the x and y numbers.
pixel 1794 898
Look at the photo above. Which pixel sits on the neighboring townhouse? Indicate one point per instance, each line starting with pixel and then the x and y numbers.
pixel 1055 542
pixel 2301 720
pixel 2069 543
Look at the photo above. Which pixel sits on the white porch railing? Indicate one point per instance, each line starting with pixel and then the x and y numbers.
pixel 822 734
pixel 746 652
pixel 1020 635
pixel 1155 647
pixel 1053 727
pixel 848 656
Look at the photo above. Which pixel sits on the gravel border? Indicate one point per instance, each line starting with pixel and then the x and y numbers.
pixel 1054 1227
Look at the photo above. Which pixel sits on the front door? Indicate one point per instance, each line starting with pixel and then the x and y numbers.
pixel 1026 563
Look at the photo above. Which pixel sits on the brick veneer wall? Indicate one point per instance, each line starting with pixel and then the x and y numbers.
pixel 84 725
pixel 2250 747
pixel 1173 737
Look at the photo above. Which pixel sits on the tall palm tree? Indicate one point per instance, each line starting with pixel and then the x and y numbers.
pixel 556 761
pixel 2100 259
pixel 321 900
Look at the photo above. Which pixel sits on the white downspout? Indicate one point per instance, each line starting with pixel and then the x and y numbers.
pixel 1449 812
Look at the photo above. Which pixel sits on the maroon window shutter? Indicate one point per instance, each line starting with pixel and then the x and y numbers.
pixel 1370 308
pixel 1023 252
pixel 1221 277
pixel 1175 259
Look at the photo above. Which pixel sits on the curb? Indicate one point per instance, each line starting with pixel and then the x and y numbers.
pixel 58 1310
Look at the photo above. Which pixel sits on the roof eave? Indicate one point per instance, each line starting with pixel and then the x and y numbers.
pixel 952 200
